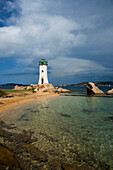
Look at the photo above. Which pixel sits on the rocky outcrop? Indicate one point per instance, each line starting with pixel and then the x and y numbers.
pixel 23 87
pixel 109 91
pixel 61 90
pixel 42 88
pixel 29 87
pixel 93 89
pixel 19 87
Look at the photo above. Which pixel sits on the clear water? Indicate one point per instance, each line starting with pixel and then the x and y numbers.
pixel 73 128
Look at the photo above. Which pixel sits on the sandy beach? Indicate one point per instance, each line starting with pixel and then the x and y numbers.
pixel 10 102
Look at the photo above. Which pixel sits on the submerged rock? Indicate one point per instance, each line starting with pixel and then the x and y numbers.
pixel 66 166
pixel 1 123
pixel 109 118
pixel 34 151
pixel 7 159
pixel 65 115
pixel 49 138
pixel 27 136
pixel 93 89
pixel 5 134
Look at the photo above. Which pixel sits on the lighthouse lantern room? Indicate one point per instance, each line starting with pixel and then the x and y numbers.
pixel 43 71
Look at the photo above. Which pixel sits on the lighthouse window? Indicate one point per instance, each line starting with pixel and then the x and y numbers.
pixel 42 71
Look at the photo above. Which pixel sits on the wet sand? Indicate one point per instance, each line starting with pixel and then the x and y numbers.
pixel 10 102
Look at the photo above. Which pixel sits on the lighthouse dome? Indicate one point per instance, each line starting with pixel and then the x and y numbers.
pixel 43 62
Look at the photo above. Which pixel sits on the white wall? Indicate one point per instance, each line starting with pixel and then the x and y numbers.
pixel 43 74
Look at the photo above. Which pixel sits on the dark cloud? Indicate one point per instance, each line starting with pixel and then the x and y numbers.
pixel 21 74
pixel 9 12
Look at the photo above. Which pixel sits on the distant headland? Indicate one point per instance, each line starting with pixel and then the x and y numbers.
pixel 11 85
pixel 99 83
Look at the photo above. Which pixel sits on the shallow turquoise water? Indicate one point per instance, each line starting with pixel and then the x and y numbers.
pixel 75 129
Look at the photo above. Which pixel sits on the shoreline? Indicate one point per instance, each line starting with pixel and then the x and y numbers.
pixel 10 102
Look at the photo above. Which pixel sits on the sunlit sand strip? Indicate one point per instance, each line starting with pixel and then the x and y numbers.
pixel 8 103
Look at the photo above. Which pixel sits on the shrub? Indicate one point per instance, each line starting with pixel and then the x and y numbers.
pixel 2 93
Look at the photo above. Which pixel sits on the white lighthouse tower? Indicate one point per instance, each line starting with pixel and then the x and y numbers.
pixel 43 72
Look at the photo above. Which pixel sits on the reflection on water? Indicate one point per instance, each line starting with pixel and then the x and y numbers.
pixel 77 130
pixel 92 101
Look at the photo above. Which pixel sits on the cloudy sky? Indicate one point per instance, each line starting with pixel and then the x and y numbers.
pixel 74 36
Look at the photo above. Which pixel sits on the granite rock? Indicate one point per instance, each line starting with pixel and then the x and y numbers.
pixel 19 87
pixel 61 90
pixel 42 88
pixel 109 91
pixel 93 89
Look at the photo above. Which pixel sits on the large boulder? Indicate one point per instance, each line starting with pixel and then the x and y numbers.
pixel 34 85
pixel 61 90
pixel 36 89
pixel 29 87
pixel 109 91
pixel 93 89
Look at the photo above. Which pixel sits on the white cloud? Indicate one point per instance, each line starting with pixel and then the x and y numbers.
pixel 63 66
pixel 29 6
pixel 37 33
pixel 9 35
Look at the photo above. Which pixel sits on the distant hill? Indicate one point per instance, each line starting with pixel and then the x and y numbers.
pixel 99 83
pixel 86 83
pixel 106 83
pixel 10 85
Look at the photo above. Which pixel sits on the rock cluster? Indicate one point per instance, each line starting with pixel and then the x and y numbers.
pixel 19 87
pixel 42 88
pixel 23 87
pixel 93 89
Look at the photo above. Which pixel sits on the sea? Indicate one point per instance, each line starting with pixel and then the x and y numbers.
pixel 74 128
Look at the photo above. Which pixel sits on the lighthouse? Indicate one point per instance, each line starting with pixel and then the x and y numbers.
pixel 43 71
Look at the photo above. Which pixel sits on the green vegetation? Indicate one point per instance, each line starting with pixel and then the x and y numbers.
pixel 11 92
pixel 2 93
